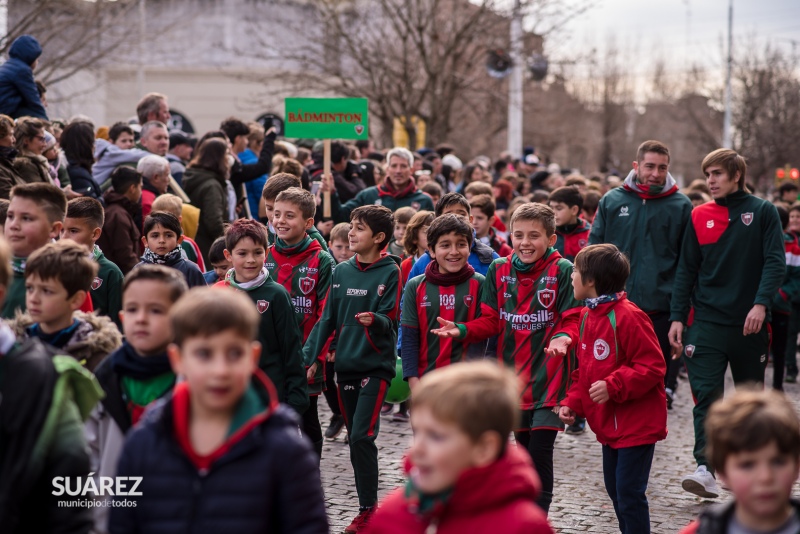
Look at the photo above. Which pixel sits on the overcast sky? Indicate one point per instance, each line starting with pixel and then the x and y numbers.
pixel 681 31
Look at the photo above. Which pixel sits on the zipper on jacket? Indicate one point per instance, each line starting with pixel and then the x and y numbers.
pixel 197 490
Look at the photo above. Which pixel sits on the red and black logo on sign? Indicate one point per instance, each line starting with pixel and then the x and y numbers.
pixel 307 285
pixel 262 306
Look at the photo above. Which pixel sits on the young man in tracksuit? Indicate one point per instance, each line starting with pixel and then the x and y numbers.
pixel 646 219
pixel 362 308
pixel 278 333
pixel 527 297
pixel 298 263
pixel 731 265
pixel 448 289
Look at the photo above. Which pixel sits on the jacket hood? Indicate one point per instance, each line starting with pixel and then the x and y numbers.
pixel 194 177
pixel 25 48
pixel 95 338
pixel 383 261
pixel 509 479
pixel 670 186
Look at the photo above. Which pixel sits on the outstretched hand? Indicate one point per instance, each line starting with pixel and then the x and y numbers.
pixel 448 329
pixel 558 346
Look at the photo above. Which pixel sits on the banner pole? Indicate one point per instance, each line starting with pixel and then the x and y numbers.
pixel 326 169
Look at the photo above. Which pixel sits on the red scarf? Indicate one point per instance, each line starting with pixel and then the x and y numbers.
pixel 438 278
pixel 387 190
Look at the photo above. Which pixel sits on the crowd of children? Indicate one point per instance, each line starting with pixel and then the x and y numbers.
pixel 509 326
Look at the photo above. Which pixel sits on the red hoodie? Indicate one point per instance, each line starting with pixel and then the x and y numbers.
pixel 617 344
pixel 496 498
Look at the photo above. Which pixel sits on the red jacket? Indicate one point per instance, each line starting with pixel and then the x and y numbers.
pixel 496 498
pixel 617 344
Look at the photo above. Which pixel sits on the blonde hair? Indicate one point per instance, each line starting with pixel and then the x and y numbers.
pixel 168 203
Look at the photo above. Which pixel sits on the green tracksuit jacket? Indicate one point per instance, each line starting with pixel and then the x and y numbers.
pixel 362 351
pixel 732 258
pixel 107 289
pixel 372 195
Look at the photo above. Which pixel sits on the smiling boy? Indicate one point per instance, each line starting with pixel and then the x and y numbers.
pixel 162 238
pixel 732 263
pixel 449 289
pixel 527 299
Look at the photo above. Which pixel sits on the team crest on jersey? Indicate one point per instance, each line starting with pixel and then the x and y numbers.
pixel 710 224
pixel 365 382
pixel 601 350
pixel 262 306
pixel 381 289
pixel 96 283
pixel 307 285
pixel 747 218
pixel 468 300
pixel 416 205
pixel 546 297
pixel 689 351
pixel 581 243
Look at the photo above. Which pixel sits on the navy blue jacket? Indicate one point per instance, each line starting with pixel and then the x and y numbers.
pixel 18 94
pixel 266 480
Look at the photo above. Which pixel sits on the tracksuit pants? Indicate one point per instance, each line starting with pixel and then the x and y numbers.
pixel 661 325
pixel 361 402
pixel 780 334
pixel 708 349
pixel 310 425
pixel 625 472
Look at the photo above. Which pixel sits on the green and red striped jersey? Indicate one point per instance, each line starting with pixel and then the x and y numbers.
pixel 307 277
pixel 423 302
pixel 529 309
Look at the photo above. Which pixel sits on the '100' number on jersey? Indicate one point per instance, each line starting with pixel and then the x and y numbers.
pixel 447 302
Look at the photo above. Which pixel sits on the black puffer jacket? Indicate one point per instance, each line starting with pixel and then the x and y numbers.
pixel 264 479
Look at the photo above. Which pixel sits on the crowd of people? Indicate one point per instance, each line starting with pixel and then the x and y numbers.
pixel 119 365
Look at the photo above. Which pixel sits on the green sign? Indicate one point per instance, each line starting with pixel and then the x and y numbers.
pixel 327 118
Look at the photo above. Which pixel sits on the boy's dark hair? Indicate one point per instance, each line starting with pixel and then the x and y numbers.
pixel 531 211
pixel 278 183
pixel 164 219
pixel 652 146
pixel 591 199
pixel 783 215
pixel 605 265
pixel 787 186
pixel 569 195
pixel 478 397
pixel 47 196
pixel 451 199
pixel 122 178
pixel 540 196
pixel 446 224
pixel 233 128
pixel 216 252
pixel 361 144
pixel 748 421
pixel 87 208
pixel 485 203
pixel 117 129
pixel 420 219
pixel 222 310
pixel 242 228
pixel 403 215
pixel 4 203
pixel 433 189
pixel 172 278
pixel 301 198
pixel 378 218
pixel 339 151
pixel 794 207
pixel 65 261
pixel 339 232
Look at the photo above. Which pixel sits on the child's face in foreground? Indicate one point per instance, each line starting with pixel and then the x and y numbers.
pixel 399 231
pixel 564 214
pixel 247 258
pixel 340 250
pixel 451 252
pixel 531 240
pixel 161 240
pixel 48 304
pixel 440 452
pixel 145 305
pixel 217 368
pixel 80 231
pixel 361 238
pixel 289 224
pixel 27 227
pixel 761 481
pixel 581 290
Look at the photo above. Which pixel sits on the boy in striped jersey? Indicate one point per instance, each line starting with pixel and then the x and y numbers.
pixel 298 263
pixel 527 297
pixel 449 288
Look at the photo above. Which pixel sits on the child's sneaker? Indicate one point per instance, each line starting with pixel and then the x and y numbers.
pixel 578 427
pixel 386 409
pixel 360 521
pixel 401 416
pixel 701 483
pixel 335 428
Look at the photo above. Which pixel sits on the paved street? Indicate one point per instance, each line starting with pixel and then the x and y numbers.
pixel 580 503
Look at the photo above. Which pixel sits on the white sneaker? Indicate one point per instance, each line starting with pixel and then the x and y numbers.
pixel 701 483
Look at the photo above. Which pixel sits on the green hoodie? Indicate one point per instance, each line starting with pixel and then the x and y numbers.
pixel 15 299
pixel 281 344
pixel 649 229
pixel 362 351
pixel 372 195
pixel 107 288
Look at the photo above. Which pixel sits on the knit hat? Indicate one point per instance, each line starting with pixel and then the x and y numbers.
pixel 49 141
pixel 452 161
